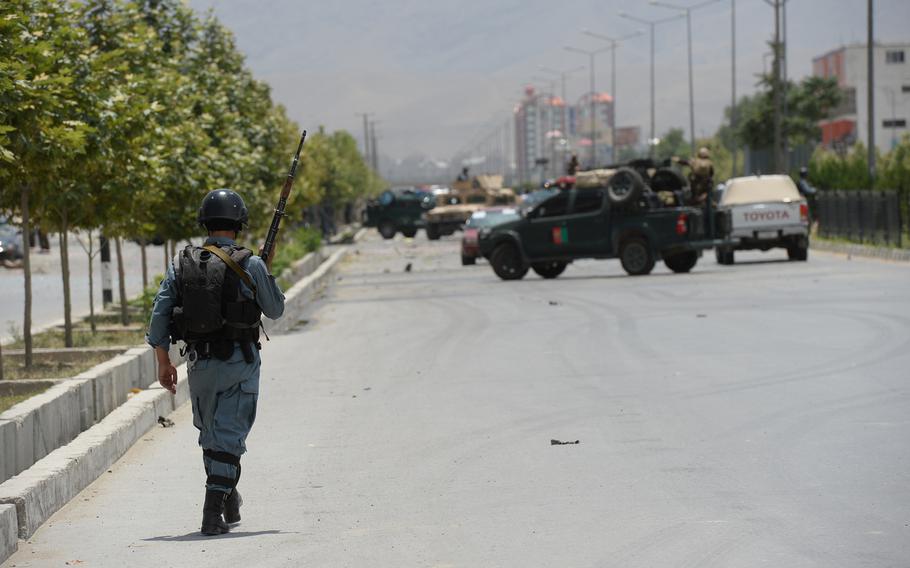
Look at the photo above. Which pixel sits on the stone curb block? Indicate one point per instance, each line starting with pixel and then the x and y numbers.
pixel 39 425
pixel 300 293
pixel 50 483
pixel 863 250
pixel 9 541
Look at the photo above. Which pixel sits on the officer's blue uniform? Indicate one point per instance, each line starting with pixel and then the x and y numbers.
pixel 223 393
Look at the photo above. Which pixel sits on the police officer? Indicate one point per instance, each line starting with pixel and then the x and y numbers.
pixel 212 298
pixel 701 176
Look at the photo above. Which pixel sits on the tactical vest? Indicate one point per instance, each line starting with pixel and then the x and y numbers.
pixel 211 309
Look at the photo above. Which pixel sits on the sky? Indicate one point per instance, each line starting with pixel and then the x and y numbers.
pixel 438 75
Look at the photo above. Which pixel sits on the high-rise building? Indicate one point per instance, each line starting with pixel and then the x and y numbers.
pixel 540 136
pixel 849 122
pixel 601 129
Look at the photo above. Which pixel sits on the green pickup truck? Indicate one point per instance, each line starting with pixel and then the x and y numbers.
pixel 589 223
pixel 398 209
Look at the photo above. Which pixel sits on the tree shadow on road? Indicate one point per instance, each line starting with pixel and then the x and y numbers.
pixel 196 535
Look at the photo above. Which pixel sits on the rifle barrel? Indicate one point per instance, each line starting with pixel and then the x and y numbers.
pixel 272 235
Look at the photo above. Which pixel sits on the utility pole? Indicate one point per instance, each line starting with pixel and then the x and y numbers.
pixel 870 88
pixel 591 54
pixel 651 24
pixel 613 43
pixel 366 134
pixel 374 154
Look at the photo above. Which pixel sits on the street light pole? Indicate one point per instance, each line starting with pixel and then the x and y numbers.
pixel 613 43
pixel 870 92
pixel 733 85
pixel 591 55
pixel 651 24
pixel 687 10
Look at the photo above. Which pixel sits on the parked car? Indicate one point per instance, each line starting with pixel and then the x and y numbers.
pixel 490 217
pixel 398 209
pixel 603 222
pixel 11 247
pixel 765 212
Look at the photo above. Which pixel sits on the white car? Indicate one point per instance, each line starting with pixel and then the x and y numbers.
pixel 765 212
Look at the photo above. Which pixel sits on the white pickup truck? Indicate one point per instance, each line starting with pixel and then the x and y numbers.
pixel 765 212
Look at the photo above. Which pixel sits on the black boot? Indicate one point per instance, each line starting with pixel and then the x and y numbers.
pixel 232 507
pixel 211 513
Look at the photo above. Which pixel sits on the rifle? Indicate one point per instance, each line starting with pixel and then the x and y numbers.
pixel 269 245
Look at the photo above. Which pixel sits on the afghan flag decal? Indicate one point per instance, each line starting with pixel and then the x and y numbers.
pixel 560 235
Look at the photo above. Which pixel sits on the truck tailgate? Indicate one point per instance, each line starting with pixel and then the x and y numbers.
pixel 764 216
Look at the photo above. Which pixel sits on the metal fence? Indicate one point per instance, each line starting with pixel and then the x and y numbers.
pixel 862 216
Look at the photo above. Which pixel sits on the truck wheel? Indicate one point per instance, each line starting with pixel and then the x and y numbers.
pixel 724 256
pixel 468 260
pixel 507 262
pixel 387 229
pixel 549 269
pixel 410 233
pixel 682 262
pixel 636 257
pixel 433 232
pixel 625 187
pixel 798 252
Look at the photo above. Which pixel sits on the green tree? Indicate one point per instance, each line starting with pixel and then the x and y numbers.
pixel 42 133
pixel 671 144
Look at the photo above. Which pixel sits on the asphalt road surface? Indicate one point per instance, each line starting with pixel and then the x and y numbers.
pixel 47 283
pixel 753 415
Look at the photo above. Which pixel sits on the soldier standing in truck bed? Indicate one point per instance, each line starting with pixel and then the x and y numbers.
pixel 701 176
pixel 213 298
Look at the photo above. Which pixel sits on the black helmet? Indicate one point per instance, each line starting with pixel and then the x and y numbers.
pixel 224 206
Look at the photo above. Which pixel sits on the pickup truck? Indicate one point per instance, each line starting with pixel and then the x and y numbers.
pixel 589 223
pixel 765 212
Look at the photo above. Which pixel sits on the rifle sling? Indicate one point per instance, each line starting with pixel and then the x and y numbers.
pixel 233 266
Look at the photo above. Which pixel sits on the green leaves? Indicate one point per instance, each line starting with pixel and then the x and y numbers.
pixel 123 114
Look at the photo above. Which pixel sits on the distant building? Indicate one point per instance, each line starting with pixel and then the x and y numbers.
pixel 540 136
pixel 849 122
pixel 628 137
pixel 602 129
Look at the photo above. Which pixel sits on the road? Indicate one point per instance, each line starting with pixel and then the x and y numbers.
pixel 753 415
pixel 47 283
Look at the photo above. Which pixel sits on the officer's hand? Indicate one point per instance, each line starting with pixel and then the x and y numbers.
pixel 167 377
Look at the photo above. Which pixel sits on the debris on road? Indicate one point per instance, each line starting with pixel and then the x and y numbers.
pixel 554 442
pixel 165 422
pixel 554 303
pixel 408 267
pixel 701 315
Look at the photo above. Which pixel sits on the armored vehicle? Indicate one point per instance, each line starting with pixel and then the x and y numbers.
pixel 398 209
pixel 466 197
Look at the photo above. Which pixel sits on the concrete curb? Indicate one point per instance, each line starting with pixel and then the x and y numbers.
pixel 28 499
pixel 866 251
pixel 39 425
pixel 9 541
pixel 301 292
pixel 50 483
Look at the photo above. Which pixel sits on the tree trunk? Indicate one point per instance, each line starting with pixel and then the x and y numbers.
pixel 27 272
pixel 121 276
pixel 145 265
pixel 167 258
pixel 91 284
pixel 65 271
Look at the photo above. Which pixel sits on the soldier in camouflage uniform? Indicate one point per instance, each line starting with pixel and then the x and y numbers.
pixel 701 176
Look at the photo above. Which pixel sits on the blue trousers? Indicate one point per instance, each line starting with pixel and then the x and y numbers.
pixel 224 396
